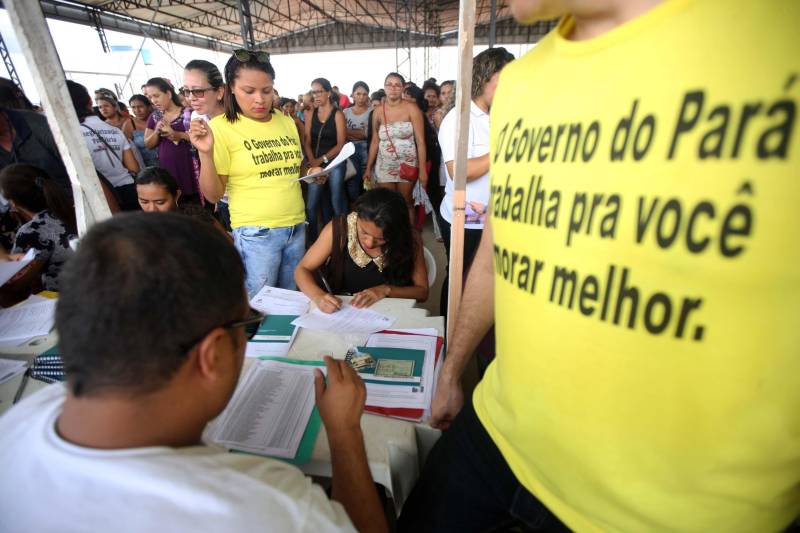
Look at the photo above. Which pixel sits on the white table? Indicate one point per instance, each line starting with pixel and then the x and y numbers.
pixel 392 451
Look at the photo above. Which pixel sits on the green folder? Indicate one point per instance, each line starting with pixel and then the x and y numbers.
pixel 278 326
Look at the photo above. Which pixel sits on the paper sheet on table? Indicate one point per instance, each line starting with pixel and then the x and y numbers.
pixel 347 150
pixel 348 319
pixel 269 411
pixel 275 301
pixel 9 268
pixel 27 321
pixel 10 368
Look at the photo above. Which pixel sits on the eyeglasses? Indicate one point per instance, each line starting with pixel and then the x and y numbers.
pixel 251 324
pixel 197 93
pixel 318 92
pixel 246 55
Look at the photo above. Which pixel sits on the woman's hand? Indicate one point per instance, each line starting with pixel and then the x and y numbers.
pixel 328 303
pixel 201 136
pixel 367 177
pixel 319 180
pixel 369 296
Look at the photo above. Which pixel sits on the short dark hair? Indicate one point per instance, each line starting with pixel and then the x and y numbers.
pixel 431 84
pixel 141 290
pixel 232 68
pixel 387 209
pixel 487 64
pixel 380 94
pixel 326 86
pixel 140 98
pixel 361 84
pixel 395 75
pixel 208 68
pixel 81 100
pixel 158 176
pixel 165 87
pixel 33 189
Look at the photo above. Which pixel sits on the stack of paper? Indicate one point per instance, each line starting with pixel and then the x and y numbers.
pixel 403 396
pixel 274 337
pixel 10 368
pixel 275 301
pixel 9 268
pixel 348 319
pixel 269 411
pixel 23 322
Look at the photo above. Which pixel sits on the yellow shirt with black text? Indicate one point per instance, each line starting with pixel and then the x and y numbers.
pixel 262 162
pixel 645 209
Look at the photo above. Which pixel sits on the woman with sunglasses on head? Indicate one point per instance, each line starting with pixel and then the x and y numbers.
pixel 398 150
pixel 371 253
pixel 141 109
pixel 108 105
pixel 326 133
pixel 253 151
pixel 167 132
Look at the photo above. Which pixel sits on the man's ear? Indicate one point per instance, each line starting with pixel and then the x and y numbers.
pixel 212 354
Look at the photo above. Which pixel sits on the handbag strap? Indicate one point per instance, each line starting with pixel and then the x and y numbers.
pixel 388 135
pixel 104 142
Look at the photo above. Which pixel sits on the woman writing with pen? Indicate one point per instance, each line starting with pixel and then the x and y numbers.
pixel 370 253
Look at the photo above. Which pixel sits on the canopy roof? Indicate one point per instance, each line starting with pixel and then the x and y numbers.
pixel 290 26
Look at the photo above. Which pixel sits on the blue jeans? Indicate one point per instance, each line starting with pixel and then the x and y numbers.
pixel 316 197
pixel 355 185
pixel 270 255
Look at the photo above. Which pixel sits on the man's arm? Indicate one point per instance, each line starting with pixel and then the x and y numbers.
pixel 475 317
pixel 340 404
pixel 477 167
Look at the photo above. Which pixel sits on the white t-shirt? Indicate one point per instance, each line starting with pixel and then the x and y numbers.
pixel 478 191
pixel 49 484
pixel 107 163
pixel 356 122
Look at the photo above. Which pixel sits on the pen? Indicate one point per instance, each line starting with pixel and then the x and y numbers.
pixel 21 388
pixel 327 286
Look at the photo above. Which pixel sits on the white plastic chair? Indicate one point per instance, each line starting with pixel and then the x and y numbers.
pixel 430 264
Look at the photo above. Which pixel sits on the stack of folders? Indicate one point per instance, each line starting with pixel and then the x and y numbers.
pixel 274 337
pixel 399 368
pixel 272 412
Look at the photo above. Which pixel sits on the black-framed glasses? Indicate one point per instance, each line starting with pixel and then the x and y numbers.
pixel 197 93
pixel 246 55
pixel 250 323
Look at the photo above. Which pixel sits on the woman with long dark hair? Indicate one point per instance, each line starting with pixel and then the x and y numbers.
pixel 157 190
pixel 166 131
pixel 140 113
pixel 110 150
pixel 253 152
pixel 371 253
pixel 326 133
pixel 48 218
pixel 398 150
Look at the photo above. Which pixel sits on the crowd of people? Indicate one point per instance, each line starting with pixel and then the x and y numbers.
pixel 615 407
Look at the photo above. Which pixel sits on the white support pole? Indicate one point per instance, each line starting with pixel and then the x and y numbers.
pixel 466 38
pixel 48 75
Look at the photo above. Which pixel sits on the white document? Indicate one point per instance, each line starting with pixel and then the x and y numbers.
pixel 9 268
pixel 27 321
pixel 275 301
pixel 270 349
pixel 348 319
pixel 347 150
pixel 10 368
pixel 269 411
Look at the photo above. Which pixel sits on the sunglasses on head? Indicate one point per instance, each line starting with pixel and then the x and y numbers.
pixel 246 55
pixel 197 93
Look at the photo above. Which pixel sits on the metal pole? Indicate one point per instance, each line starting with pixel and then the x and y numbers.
pixel 466 39
pixel 246 24
pixel 48 76
pixel 493 24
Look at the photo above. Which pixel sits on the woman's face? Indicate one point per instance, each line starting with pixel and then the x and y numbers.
pixel 107 109
pixel 210 101
pixel 308 102
pixel 160 100
pixel 288 109
pixel 393 88
pixel 360 97
pixel 320 94
pixel 140 110
pixel 253 92
pixel 370 236
pixel 432 98
pixel 446 93
pixel 155 198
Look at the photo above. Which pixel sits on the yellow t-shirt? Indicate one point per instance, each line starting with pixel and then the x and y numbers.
pixel 262 162
pixel 645 209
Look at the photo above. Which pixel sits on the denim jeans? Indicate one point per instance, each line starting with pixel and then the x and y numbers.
pixel 316 197
pixel 355 185
pixel 466 485
pixel 270 255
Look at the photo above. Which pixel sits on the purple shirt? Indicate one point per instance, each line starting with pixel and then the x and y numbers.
pixel 176 158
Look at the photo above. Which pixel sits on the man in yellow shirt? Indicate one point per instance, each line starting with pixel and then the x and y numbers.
pixel 642 261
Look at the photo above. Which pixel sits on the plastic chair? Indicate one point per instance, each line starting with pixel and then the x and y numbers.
pixel 430 264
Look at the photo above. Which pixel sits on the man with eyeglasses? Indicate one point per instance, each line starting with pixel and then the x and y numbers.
pixel 153 340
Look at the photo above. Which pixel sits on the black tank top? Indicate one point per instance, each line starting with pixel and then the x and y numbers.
pixel 323 134
pixel 344 275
